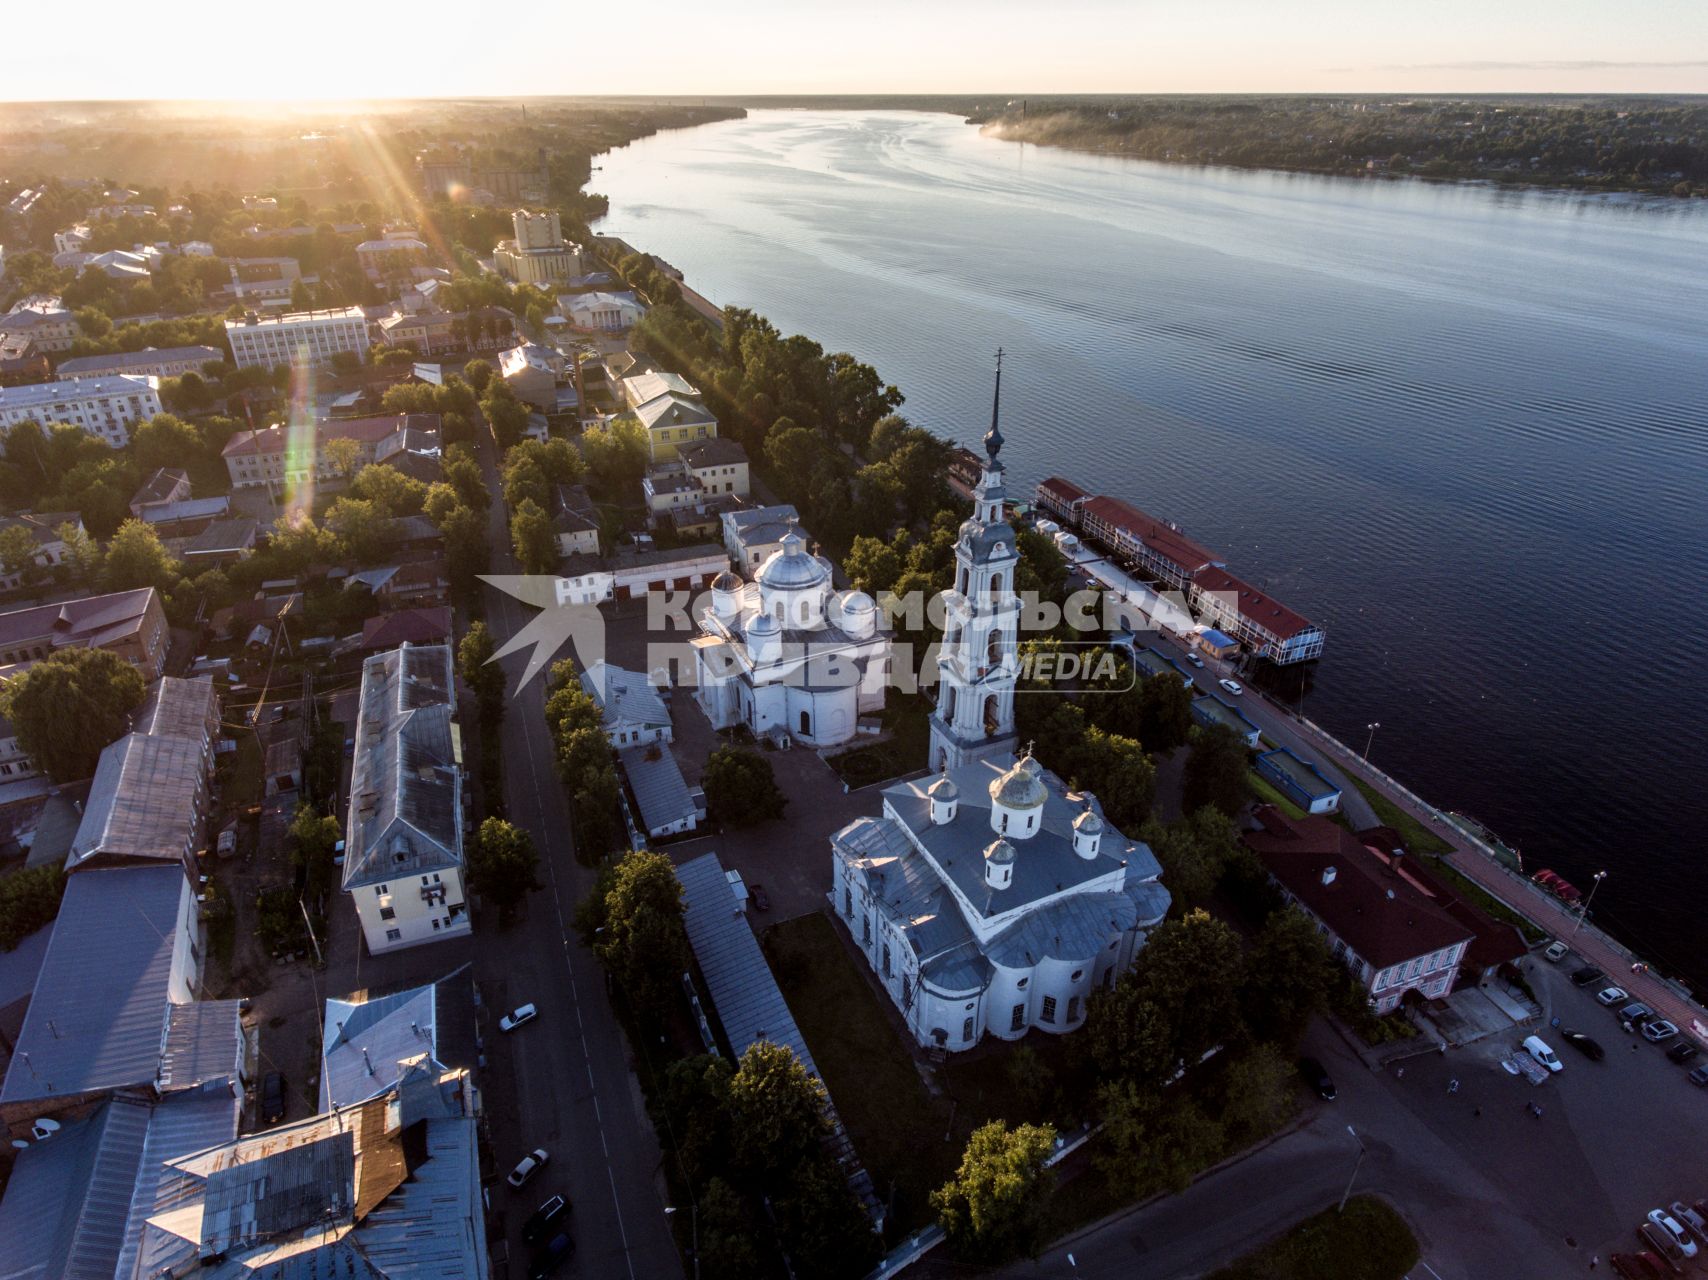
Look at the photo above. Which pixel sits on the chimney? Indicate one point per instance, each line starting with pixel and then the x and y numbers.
pixel 1328 875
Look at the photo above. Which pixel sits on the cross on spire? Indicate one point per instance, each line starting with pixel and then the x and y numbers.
pixel 993 437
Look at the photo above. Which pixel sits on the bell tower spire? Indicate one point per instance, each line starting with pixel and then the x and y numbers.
pixel 977 663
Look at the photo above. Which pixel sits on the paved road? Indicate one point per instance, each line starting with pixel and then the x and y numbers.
pixel 573 1091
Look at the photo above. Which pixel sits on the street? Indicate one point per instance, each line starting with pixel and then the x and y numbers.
pixel 573 1091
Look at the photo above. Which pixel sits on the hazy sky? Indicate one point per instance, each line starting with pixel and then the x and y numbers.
pixel 429 48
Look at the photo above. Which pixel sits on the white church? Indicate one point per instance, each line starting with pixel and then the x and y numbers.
pixel 989 899
pixel 787 655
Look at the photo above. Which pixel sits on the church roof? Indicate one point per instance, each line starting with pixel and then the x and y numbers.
pixel 1021 787
pixel 793 567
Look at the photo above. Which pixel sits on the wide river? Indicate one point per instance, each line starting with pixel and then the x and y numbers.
pixel 1464 429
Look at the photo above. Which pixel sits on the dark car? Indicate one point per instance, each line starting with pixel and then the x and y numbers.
pixel 541 1221
pixel 1636 1013
pixel 552 1255
pixel 273 1097
pixel 761 899
pixel 1586 975
pixel 1590 1048
pixel 1638 1266
pixel 1699 1077
pixel 1316 1075
pixel 1682 1052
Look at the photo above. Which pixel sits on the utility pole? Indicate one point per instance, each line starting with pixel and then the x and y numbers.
pixel 1345 1195
pixel 1583 914
pixel 1372 727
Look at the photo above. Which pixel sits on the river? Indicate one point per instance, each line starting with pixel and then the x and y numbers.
pixel 1463 428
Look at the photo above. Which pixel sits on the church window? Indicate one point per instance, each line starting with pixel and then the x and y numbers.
pixel 949 703
pixel 1073 1009
pixel 996 581
pixel 886 959
pixel 848 902
pixel 806 612
pixel 1049 1009
pixel 966 1030
pixel 1005 824
pixel 993 650
pixel 1017 1019
pixel 961 581
pixel 866 929
pixel 1077 975
pixel 806 722
pixel 1021 985
pixel 1031 821
pixel 990 725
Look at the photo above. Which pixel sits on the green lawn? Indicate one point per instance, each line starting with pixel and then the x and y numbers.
pixel 1418 838
pixel 1367 1242
pixel 1267 793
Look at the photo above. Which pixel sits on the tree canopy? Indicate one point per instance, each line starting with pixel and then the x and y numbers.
pixel 996 1207
pixel 69 706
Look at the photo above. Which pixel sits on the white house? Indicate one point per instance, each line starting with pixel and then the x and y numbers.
pixel 310 337
pixel 603 312
pixel 753 534
pixel 106 408
pixel 635 714
pixel 403 861
pixel 785 654
pixel 991 900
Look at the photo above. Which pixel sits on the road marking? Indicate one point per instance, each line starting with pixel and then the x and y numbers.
pixel 1432 1271
pixel 581 1032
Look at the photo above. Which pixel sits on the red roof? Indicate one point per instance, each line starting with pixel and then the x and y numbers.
pixel 1257 606
pixel 276 438
pixel 1494 943
pixel 1065 492
pixel 407 626
pixel 1377 910
pixel 1161 538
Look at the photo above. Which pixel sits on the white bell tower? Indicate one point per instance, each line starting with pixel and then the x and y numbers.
pixel 977 664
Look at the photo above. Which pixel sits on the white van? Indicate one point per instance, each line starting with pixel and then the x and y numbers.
pixel 1538 1049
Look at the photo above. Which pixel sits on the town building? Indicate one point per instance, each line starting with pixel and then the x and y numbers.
pixel 370 1043
pixel 1149 663
pixel 403 861
pixel 786 655
pixel 221 542
pixel 431 625
pixel 21 363
pixel 978 662
pixel 537 375
pixel 663 802
pixel 162 362
pixel 718 466
pixel 1299 781
pixel 991 900
pixel 429 332
pixel 44 321
pixel 130 623
pixel 44 527
pixel 164 487
pixel 538 254
pixel 1265 626
pixel 297 337
pixel 15 763
pixel 106 408
pixel 634 712
pixel 575 521
pixel 73 239
pixel 266 457
pixel 753 535
pixel 1211 710
pixel 391 256
pixel 1378 922
pixel 601 312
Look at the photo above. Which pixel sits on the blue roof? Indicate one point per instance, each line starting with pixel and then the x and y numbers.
pixel 1300 774
pixel 1219 638
pixel 97 1018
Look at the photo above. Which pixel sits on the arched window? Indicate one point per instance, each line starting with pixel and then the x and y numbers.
pixel 990 714
pixel 806 612
pixel 806 722
pixel 961 581
pixel 996 583
pixel 993 649
pixel 949 703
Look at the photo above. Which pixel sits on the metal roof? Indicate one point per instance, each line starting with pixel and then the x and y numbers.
pixel 366 1043
pixel 180 1126
pixel 97 1018
pixel 658 786
pixel 405 785
pixel 144 800
pixel 204 1041
pixel 746 996
pixel 626 696
pixel 186 708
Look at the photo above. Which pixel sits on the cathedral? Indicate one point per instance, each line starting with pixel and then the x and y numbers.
pixel 788 656
pixel 989 898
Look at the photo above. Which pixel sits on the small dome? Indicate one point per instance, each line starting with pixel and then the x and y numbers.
pixel 1000 852
pixel 943 789
pixel 1031 766
pixel 1088 823
pixel 764 624
pixel 726 581
pixel 856 602
pixel 1020 787
pixel 792 568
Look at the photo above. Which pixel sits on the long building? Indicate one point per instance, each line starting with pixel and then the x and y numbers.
pixel 1160 551
pixel 161 362
pixel 310 336
pixel 130 623
pixel 107 408
pixel 285 455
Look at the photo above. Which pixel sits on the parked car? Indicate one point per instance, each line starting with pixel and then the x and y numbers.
pixel 1692 1220
pixel 1636 1013
pixel 1699 1077
pixel 1674 1228
pixel 1664 1248
pixel 1316 1075
pixel 551 1256
pixel 1195 660
pixel 1586 975
pixel 528 1166
pixel 522 1013
pixel 1538 1048
pixel 1683 1052
pixel 1658 1030
pixel 1638 1266
pixel 540 1221
pixel 1585 1045
pixel 226 845
pixel 1611 996
pixel 273 1097
pixel 761 899
pixel 1232 686
pixel 1556 952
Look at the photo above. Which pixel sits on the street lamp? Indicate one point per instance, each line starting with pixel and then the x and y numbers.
pixel 1372 727
pixel 694 1219
pixel 1598 878
pixel 1355 1166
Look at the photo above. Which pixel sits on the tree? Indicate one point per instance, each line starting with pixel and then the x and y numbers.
pixel 1257 1092
pixel 741 789
pixel 364 530
pixel 1291 977
pixel 727 1230
pixel 1165 713
pixel 69 706
pixel 391 492
pixel 643 943
pixel 996 1207
pixel 1194 853
pixel 1120 773
pixel 481 674
pixel 29 900
pixel 342 453
pixel 872 565
pixel 617 454
pixel 533 538
pixel 314 837
pixel 507 415
pixel 1153 1143
pixel 502 864
pixel 776 1111
pixel 1193 969
pixel 1216 772
pixel 467 552
pixel 18 550
pixel 478 374
pixel 82 559
pixel 821 1224
pixel 135 558
pixel 165 441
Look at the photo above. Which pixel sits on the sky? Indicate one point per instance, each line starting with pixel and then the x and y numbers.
pixel 347 49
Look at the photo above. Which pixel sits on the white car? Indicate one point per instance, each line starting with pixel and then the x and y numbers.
pixel 1658 1030
pixel 1669 1224
pixel 528 1166
pixel 1538 1049
pixel 516 1017
pixel 1690 1218
pixel 1611 996
pixel 1556 952
pixel 1232 686
pixel 1195 660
